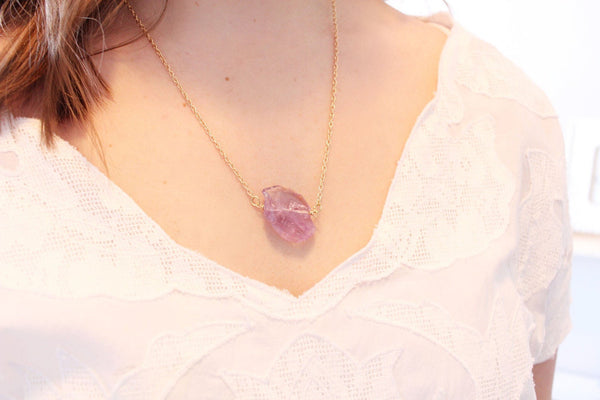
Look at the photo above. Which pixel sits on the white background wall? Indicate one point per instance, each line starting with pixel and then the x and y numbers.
pixel 557 43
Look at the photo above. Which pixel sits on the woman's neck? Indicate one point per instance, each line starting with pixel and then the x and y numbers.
pixel 237 18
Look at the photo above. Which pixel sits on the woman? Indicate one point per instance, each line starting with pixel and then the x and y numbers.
pixel 433 264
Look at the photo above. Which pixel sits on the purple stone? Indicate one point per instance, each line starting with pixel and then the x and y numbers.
pixel 288 213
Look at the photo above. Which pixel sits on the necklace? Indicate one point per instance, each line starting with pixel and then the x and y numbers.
pixel 287 211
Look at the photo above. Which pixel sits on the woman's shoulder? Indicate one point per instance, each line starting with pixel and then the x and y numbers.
pixel 478 66
pixel 23 152
pixel 470 64
pixel 33 176
pixel 18 136
pixel 477 79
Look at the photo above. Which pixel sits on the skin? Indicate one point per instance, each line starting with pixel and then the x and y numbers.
pixel 269 110
pixel 543 376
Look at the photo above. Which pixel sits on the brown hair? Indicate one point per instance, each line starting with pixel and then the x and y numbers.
pixel 45 58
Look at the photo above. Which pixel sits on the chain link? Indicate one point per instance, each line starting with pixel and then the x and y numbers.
pixel 254 199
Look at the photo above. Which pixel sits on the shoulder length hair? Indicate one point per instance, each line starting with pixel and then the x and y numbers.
pixel 46 48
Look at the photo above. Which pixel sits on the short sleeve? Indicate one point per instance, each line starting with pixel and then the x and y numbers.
pixel 545 243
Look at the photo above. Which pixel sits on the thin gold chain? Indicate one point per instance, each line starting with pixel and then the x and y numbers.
pixel 254 199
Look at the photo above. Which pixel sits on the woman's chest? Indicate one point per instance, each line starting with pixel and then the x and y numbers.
pixel 167 165
pixel 161 157
pixel 459 334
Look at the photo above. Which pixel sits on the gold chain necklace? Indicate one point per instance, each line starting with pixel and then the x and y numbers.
pixel 287 211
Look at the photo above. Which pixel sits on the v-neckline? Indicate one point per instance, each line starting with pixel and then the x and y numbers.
pixel 282 294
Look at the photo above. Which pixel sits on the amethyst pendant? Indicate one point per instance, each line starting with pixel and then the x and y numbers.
pixel 288 213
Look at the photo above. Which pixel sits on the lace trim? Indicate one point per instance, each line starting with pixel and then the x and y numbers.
pixel 542 260
pixel 449 183
pixel 453 195
pixel 543 243
pixel 483 69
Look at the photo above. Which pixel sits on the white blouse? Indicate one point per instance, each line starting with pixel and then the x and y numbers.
pixel 463 286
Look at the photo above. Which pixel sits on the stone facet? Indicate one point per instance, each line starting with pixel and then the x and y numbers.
pixel 288 213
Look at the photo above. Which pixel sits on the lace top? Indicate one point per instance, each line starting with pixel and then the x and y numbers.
pixel 463 286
